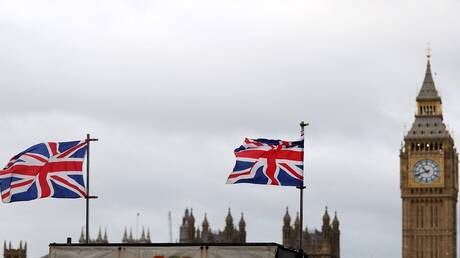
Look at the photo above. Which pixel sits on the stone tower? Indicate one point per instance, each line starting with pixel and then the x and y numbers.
pixel 316 244
pixel 10 252
pixel 429 180
pixel 230 234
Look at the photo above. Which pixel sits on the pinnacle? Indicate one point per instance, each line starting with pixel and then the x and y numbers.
pixel 428 90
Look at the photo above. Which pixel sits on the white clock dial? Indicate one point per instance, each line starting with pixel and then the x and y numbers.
pixel 426 171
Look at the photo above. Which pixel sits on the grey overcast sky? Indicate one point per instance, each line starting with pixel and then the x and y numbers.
pixel 171 87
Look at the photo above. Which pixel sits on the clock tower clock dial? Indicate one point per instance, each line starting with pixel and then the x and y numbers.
pixel 429 180
pixel 426 171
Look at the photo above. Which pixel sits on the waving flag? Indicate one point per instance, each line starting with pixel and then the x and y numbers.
pixel 52 169
pixel 268 162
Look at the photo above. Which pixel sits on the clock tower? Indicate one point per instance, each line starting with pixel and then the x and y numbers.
pixel 429 180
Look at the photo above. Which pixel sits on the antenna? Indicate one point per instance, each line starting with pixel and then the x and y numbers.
pixel 170 227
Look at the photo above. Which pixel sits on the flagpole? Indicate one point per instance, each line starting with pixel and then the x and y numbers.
pixel 301 188
pixel 88 196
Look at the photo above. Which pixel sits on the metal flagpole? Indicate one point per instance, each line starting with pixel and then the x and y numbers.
pixel 88 196
pixel 301 188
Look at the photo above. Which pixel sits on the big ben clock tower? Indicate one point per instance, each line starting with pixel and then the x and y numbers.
pixel 429 180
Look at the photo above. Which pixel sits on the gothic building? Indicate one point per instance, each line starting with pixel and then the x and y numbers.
pixel 230 234
pixel 10 252
pixel 99 240
pixel 316 244
pixel 144 239
pixel 429 180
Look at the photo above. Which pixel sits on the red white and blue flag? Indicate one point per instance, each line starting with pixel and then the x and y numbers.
pixel 52 169
pixel 268 162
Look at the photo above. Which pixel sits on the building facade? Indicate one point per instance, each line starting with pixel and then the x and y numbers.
pixel 316 244
pixel 11 252
pixel 429 180
pixel 231 234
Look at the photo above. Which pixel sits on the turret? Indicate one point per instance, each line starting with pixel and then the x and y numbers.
pixel 287 218
pixel 326 218
pixel 229 218
pixel 287 229
pixel 99 236
pixel 205 228
pixel 335 236
pixel 82 236
pixel 296 231
pixel 326 228
pixel 142 239
pixel 205 224
pixel 242 229
pixel 335 223
pixel 229 228
pixel 125 237
pixel 198 235
pixel 185 218
pixel 191 226
pixel 130 237
pixel 191 218
pixel 106 240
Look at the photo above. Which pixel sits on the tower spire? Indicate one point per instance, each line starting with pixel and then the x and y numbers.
pixel 428 90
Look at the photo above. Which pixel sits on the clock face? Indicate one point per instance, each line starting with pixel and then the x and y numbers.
pixel 426 171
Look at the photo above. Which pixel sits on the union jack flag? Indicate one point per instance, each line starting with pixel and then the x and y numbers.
pixel 52 169
pixel 268 162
